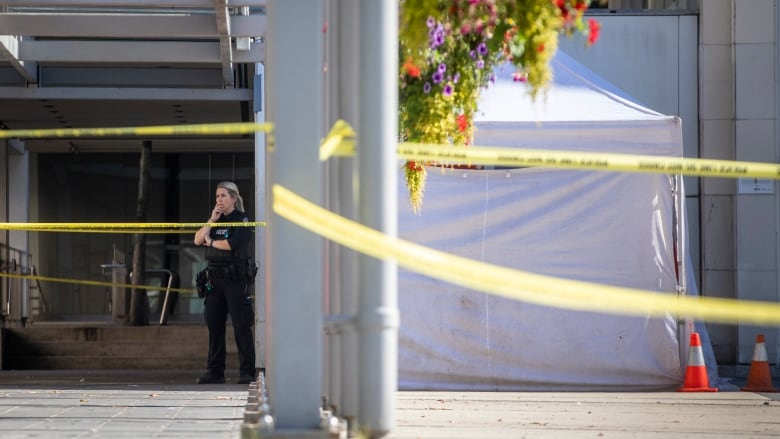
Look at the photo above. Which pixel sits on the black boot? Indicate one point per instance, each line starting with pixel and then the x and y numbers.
pixel 245 377
pixel 211 378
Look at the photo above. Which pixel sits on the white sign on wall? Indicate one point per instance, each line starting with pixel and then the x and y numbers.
pixel 756 186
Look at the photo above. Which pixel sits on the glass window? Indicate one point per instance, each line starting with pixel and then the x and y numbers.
pixel 645 5
pixel 103 188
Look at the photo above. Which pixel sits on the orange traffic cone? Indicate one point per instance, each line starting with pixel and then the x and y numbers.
pixel 759 378
pixel 696 373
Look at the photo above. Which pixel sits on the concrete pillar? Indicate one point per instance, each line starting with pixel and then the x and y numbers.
pixel 717 141
pixel 377 130
pixel 19 212
pixel 340 177
pixel 756 207
pixel 294 257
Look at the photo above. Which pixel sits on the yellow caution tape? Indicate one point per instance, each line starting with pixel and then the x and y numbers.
pixel 94 283
pixel 121 227
pixel 213 129
pixel 340 141
pixel 516 284
pixel 515 157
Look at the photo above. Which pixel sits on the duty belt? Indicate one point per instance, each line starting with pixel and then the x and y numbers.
pixel 226 272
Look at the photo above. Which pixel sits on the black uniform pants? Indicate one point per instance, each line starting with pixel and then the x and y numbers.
pixel 230 297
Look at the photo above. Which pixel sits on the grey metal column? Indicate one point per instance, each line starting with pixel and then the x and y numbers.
pixel 261 195
pixel 349 107
pixel 295 278
pixel 19 211
pixel 343 38
pixel 378 208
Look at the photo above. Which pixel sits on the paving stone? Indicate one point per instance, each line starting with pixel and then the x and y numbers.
pixel 62 406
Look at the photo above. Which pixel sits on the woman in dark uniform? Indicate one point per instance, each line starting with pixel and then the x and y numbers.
pixel 227 254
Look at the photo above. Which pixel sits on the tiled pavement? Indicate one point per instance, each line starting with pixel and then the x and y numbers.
pixel 123 404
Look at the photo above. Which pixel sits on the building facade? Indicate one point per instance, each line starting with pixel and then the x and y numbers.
pixel 714 63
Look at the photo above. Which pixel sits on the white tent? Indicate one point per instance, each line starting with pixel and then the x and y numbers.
pixel 604 227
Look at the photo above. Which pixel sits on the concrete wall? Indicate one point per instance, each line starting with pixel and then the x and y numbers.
pixel 717 113
pixel 653 58
pixel 718 71
pixel 738 85
pixel 755 121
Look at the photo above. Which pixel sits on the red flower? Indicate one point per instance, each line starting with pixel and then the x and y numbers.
pixel 594 27
pixel 463 123
pixel 414 166
pixel 565 15
pixel 411 69
pixel 510 33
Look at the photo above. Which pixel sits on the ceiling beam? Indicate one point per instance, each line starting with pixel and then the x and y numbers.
pixel 136 93
pixel 131 76
pixel 129 25
pixel 130 3
pixel 133 52
pixel 161 145
pixel 9 51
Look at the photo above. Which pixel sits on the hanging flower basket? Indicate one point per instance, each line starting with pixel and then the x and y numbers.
pixel 448 52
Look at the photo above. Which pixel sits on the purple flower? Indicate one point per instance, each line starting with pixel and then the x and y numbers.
pixel 482 49
pixel 431 22
pixel 456 78
pixel 473 54
pixel 480 64
pixel 439 36
pixel 427 88
pixel 442 68
pixel 492 77
pixel 437 77
pixel 435 34
pixel 447 90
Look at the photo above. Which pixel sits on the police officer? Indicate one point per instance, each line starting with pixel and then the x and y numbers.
pixel 227 254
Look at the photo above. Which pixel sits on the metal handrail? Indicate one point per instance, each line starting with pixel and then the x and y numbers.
pixel 14 260
pixel 164 309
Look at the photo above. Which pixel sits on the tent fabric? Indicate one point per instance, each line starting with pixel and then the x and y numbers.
pixel 604 227
pixel 576 94
pixel 574 114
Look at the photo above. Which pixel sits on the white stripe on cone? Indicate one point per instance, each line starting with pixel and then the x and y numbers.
pixel 695 356
pixel 759 353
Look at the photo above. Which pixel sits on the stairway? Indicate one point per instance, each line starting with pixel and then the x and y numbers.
pixel 53 346
pixel 38 304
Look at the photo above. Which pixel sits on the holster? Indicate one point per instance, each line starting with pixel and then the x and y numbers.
pixel 251 270
pixel 202 282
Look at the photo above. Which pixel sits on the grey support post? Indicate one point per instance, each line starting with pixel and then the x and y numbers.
pixel 378 167
pixel 294 65
pixel 261 195
pixel 342 98
pixel 19 212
